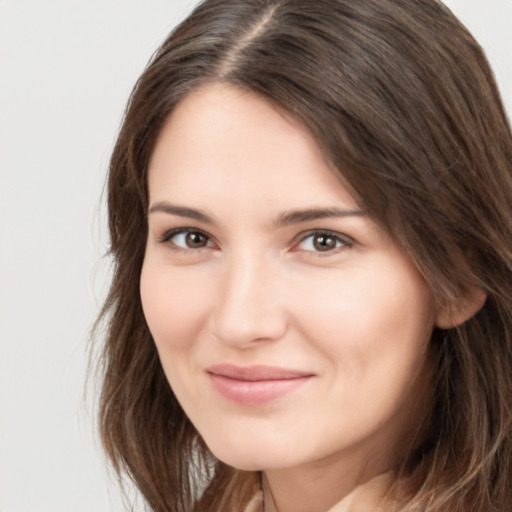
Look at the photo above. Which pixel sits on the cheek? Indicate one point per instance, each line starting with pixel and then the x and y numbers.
pixel 374 320
pixel 373 330
pixel 175 305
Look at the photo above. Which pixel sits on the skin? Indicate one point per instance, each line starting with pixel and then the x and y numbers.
pixel 254 289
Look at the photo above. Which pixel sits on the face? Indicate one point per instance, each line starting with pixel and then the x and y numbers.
pixel 289 325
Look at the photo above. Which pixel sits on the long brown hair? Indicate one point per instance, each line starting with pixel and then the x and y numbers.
pixel 402 101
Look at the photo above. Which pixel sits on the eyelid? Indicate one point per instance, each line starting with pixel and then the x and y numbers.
pixel 345 240
pixel 166 237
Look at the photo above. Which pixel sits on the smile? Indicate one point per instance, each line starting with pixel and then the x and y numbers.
pixel 255 385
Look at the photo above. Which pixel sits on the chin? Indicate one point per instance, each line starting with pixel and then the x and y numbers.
pixel 254 456
pixel 251 461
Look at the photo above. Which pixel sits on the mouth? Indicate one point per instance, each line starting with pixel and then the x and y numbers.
pixel 255 385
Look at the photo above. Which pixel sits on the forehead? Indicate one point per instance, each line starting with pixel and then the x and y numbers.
pixel 229 140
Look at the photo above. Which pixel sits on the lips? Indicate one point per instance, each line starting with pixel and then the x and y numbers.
pixel 255 385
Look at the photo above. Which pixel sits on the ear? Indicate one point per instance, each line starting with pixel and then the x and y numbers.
pixel 457 312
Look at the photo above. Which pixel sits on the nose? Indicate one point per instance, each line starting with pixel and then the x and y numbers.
pixel 250 305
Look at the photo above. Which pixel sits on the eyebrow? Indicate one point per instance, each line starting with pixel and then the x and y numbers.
pixel 284 219
pixel 298 216
pixel 181 211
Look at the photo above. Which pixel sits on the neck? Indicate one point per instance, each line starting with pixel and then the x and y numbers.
pixel 317 489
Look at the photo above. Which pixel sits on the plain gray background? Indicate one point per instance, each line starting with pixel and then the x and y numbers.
pixel 66 70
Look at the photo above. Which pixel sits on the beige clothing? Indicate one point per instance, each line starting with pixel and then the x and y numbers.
pixel 365 498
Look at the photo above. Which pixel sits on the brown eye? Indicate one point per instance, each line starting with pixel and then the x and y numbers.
pixel 194 240
pixel 325 242
pixel 187 239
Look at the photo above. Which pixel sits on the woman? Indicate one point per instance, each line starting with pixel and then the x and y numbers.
pixel 311 224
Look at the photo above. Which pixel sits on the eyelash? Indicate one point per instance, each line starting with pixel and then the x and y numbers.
pixel 342 242
pixel 167 237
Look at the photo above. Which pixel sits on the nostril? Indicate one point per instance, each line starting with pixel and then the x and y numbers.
pixel 244 325
pixel 247 309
